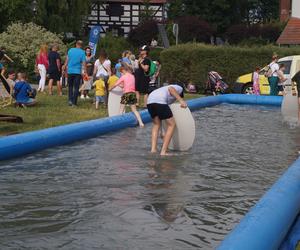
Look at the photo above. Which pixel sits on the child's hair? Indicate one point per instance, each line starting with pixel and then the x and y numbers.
pixel 122 68
pixel 257 68
pixel 22 75
pixel 113 71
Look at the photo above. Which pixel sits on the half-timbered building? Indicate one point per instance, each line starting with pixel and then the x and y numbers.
pixel 119 17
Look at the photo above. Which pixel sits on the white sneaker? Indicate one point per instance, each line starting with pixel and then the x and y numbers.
pixel 87 97
pixel 82 97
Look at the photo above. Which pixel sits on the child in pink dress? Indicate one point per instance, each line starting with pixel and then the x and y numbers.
pixel 256 90
pixel 127 82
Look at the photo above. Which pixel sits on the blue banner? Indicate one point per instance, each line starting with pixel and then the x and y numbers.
pixel 94 38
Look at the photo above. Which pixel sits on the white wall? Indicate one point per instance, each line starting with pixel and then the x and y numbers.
pixel 296 8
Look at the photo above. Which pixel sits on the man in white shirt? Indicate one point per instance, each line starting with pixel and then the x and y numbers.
pixel 158 107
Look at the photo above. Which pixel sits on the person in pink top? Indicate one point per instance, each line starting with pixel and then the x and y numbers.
pixel 255 76
pixel 42 64
pixel 127 82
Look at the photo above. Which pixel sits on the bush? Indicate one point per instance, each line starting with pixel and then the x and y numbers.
pixel 192 62
pixel 114 46
pixel 22 42
pixel 144 33
pixel 265 34
pixel 192 28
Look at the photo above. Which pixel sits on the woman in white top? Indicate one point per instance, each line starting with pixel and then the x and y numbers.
pixel 102 66
pixel 102 69
pixel 273 79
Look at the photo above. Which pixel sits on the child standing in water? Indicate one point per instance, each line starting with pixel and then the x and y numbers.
pixel 158 107
pixel 256 90
pixel 127 82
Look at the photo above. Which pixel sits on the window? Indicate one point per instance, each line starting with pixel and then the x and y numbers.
pixel 287 65
pixel 115 9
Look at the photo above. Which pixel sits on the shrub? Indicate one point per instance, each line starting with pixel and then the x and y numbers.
pixel 192 62
pixel 144 33
pixel 22 42
pixel 267 33
pixel 192 28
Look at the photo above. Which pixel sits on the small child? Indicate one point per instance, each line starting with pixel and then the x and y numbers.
pixel 100 91
pixel 127 82
pixel 112 79
pixel 256 90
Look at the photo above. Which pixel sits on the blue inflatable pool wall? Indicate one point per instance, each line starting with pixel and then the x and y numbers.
pixel 264 227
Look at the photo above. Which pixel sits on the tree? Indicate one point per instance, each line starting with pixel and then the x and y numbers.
pixel 22 42
pixel 13 10
pixel 57 16
pixel 146 13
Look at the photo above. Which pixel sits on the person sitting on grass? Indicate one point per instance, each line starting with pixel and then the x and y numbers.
pixel 127 82
pixel 158 107
pixel 23 93
pixel 99 91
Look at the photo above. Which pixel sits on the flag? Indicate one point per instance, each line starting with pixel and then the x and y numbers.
pixel 94 38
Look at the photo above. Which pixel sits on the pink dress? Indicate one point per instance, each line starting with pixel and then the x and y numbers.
pixel 256 90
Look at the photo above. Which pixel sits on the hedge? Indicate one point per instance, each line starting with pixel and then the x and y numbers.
pixel 192 62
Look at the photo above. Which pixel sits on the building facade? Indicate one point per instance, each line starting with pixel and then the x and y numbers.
pixel 119 17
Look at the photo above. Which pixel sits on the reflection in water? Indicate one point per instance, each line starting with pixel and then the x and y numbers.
pixel 110 193
pixel 166 175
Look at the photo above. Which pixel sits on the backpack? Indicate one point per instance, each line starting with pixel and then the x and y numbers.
pixel 152 69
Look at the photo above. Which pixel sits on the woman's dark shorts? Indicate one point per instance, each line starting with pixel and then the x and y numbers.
pixel 162 111
pixel 129 99
pixel 54 75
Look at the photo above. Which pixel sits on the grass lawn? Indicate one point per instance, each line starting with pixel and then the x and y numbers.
pixel 52 111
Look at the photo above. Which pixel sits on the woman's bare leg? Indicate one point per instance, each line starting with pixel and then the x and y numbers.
pixel 50 87
pixel 168 135
pixel 137 115
pixel 59 88
pixel 145 100
pixel 138 97
pixel 155 132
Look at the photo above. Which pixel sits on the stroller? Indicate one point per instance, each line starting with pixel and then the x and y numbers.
pixel 215 84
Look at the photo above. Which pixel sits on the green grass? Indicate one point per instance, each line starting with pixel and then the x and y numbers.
pixel 52 111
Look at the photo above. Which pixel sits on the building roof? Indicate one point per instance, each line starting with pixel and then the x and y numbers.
pixel 291 33
pixel 138 1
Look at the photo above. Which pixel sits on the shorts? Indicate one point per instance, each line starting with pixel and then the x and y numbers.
pixel 100 98
pixel 162 111
pixel 54 75
pixel 129 98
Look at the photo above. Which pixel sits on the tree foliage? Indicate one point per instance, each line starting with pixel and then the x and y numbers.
pixel 224 13
pixel 57 16
pixel 22 42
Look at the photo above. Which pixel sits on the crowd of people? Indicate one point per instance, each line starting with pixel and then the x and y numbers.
pixel 82 72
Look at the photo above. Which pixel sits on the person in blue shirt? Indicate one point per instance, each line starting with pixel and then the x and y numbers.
pixel 117 68
pixel 23 91
pixel 74 63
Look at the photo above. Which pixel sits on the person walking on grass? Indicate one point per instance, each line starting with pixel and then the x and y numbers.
pixel 87 83
pixel 142 78
pixel 273 75
pixel 42 64
pixel 54 70
pixel 102 69
pixel 74 63
pixel 127 82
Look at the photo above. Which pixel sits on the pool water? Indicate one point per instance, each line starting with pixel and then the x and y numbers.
pixel 110 193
